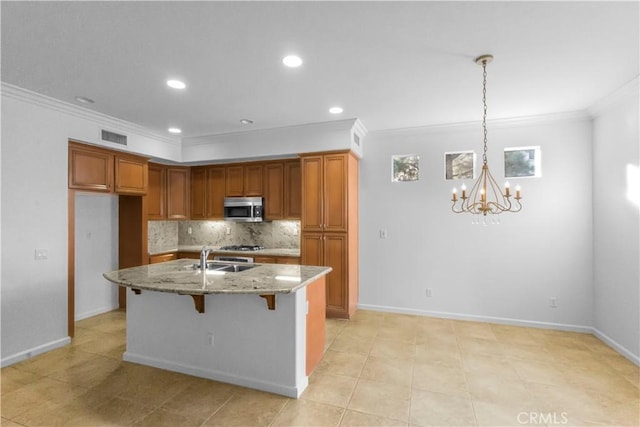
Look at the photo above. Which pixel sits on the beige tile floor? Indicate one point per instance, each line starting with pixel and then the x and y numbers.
pixel 379 369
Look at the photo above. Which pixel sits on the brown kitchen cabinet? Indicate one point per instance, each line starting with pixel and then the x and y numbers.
pixel 97 169
pixel 261 259
pixel 90 168
pixel 273 184
pixel 292 190
pixel 168 194
pixel 207 192
pixel 331 250
pixel 155 259
pixel 330 225
pixel 177 193
pixel 157 192
pixel 131 175
pixel 244 180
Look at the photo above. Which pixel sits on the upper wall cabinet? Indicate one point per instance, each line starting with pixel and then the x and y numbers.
pixel 131 175
pixel 244 180
pixel 207 192
pixel 96 169
pixel 273 184
pixel 168 195
pixel 90 168
pixel 292 189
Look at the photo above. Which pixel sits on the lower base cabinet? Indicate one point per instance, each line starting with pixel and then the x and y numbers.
pixel 331 249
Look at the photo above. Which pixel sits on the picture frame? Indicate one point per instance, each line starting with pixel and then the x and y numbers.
pixel 405 168
pixel 459 165
pixel 522 162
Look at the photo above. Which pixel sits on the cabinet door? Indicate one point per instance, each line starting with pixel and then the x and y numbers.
pixel 198 193
pixel 253 180
pixel 311 249
pixel 131 175
pixel 288 260
pixel 335 192
pixel 156 192
pixel 273 191
pixel 292 190
pixel 90 169
pixel 215 192
pixel 263 259
pixel 155 259
pixel 335 256
pixel 235 181
pixel 177 193
pixel 312 193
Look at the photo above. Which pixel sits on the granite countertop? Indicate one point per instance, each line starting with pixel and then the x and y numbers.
pixel 216 249
pixel 179 277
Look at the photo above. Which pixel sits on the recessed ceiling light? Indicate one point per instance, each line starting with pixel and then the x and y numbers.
pixel 292 61
pixel 175 130
pixel 176 84
pixel 84 100
pixel 246 121
pixel 336 110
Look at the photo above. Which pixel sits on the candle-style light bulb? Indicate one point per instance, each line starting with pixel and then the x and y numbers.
pixel 464 191
pixel 506 188
pixel 517 192
pixel 455 194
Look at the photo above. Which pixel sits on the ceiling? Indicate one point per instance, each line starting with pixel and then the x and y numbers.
pixel 391 64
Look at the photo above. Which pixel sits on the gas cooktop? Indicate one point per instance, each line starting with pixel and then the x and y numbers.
pixel 242 248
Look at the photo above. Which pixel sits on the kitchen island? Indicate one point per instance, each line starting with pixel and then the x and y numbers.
pixel 261 328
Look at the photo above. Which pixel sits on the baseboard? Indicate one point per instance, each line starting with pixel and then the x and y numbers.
pixel 225 377
pixel 617 347
pixel 96 312
pixel 478 318
pixel 28 354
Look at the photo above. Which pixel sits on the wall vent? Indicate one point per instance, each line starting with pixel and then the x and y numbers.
pixel 356 139
pixel 114 137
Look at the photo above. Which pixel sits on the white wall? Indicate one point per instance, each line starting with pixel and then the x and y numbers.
pixel 96 252
pixel 35 133
pixel 616 226
pixel 499 273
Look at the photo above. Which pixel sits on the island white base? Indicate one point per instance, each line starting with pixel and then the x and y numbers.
pixel 236 340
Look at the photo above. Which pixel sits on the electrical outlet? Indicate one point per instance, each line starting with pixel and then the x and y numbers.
pixel 383 233
pixel 228 231
pixel 429 292
pixel 41 254
pixel 210 339
pixel 189 230
pixel 553 302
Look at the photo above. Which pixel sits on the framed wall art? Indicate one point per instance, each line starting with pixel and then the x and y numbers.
pixel 459 165
pixel 405 167
pixel 522 162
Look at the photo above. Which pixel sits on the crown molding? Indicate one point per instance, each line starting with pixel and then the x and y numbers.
pixel 103 120
pixel 619 95
pixel 582 115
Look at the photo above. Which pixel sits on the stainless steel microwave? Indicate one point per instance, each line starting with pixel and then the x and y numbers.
pixel 243 209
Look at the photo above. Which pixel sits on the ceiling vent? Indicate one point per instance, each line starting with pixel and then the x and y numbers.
pixel 114 137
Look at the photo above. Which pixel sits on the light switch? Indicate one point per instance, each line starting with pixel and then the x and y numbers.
pixel 383 233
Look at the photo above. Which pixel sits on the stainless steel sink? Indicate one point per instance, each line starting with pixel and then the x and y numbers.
pixel 223 266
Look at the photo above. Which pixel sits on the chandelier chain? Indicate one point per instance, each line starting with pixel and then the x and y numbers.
pixel 484 116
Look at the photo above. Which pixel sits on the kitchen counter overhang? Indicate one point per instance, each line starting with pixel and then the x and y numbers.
pixel 180 277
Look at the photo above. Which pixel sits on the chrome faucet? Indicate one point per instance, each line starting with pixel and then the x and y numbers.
pixel 203 257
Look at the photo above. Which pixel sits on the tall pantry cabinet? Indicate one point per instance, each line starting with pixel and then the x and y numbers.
pixel 329 225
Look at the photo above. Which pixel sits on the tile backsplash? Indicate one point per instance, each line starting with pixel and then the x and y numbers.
pixel 168 235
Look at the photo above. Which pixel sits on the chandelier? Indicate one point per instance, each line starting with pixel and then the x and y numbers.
pixel 486 196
